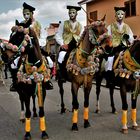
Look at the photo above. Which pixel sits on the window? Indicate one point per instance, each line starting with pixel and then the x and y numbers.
pixel 130 8
pixel 93 15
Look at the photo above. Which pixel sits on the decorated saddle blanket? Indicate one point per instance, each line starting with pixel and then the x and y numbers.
pixel 125 65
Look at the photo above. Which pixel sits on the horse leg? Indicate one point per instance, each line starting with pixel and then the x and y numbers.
pixel 111 91
pixel 134 113
pixel 44 135
pixel 34 106
pixel 110 81
pixel 5 71
pixel 41 99
pixel 98 90
pixel 22 101
pixel 123 94
pixel 22 114
pixel 27 135
pixel 86 105
pixel 61 91
pixel 75 104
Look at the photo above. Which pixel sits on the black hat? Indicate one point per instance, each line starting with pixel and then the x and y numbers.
pixel 120 8
pixel 26 6
pixel 77 8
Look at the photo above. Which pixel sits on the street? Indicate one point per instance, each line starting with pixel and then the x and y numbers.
pixel 104 126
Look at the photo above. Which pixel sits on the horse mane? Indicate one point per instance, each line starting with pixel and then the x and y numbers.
pixel 35 43
pixel 86 33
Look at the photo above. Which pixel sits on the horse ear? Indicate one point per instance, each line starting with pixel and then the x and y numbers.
pixel 16 22
pixel 103 19
pixel 90 20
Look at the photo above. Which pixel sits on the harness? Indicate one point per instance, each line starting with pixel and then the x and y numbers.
pixel 86 63
pixel 28 72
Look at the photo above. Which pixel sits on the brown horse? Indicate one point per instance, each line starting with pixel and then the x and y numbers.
pixel 127 72
pixel 81 66
pixel 32 72
pixel 99 76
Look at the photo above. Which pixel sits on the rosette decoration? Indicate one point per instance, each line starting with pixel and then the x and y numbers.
pixel 92 65
pixel 35 74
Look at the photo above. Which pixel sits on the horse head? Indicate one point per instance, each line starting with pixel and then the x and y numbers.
pixel 95 36
pixel 24 37
pixel 99 26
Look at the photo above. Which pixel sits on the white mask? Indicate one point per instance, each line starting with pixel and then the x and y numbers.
pixel 72 14
pixel 120 15
pixel 27 14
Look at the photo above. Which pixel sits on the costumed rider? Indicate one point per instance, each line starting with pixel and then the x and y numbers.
pixel 122 37
pixel 67 37
pixel 41 34
pixel 29 21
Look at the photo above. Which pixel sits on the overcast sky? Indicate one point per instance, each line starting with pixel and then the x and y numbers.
pixel 47 11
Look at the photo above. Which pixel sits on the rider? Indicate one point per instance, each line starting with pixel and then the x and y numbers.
pixel 29 20
pixel 67 37
pixel 122 36
pixel 28 15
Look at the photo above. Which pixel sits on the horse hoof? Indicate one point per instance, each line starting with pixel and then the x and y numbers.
pixel 63 110
pixel 35 115
pixel 22 120
pixel 27 136
pixel 114 111
pixel 74 127
pixel 137 128
pixel 44 136
pixel 97 111
pixel 86 124
pixel 124 131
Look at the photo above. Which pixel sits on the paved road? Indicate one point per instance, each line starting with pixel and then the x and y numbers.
pixel 104 126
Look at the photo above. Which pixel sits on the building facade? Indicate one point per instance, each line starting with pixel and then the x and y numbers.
pixel 96 9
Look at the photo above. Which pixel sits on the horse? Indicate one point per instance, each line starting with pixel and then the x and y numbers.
pixel 99 76
pixel 108 75
pixel 127 76
pixel 32 74
pixel 8 56
pixel 81 66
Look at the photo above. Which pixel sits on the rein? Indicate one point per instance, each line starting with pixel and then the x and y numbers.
pixel 83 51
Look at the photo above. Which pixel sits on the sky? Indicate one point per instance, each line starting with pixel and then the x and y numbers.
pixel 47 11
